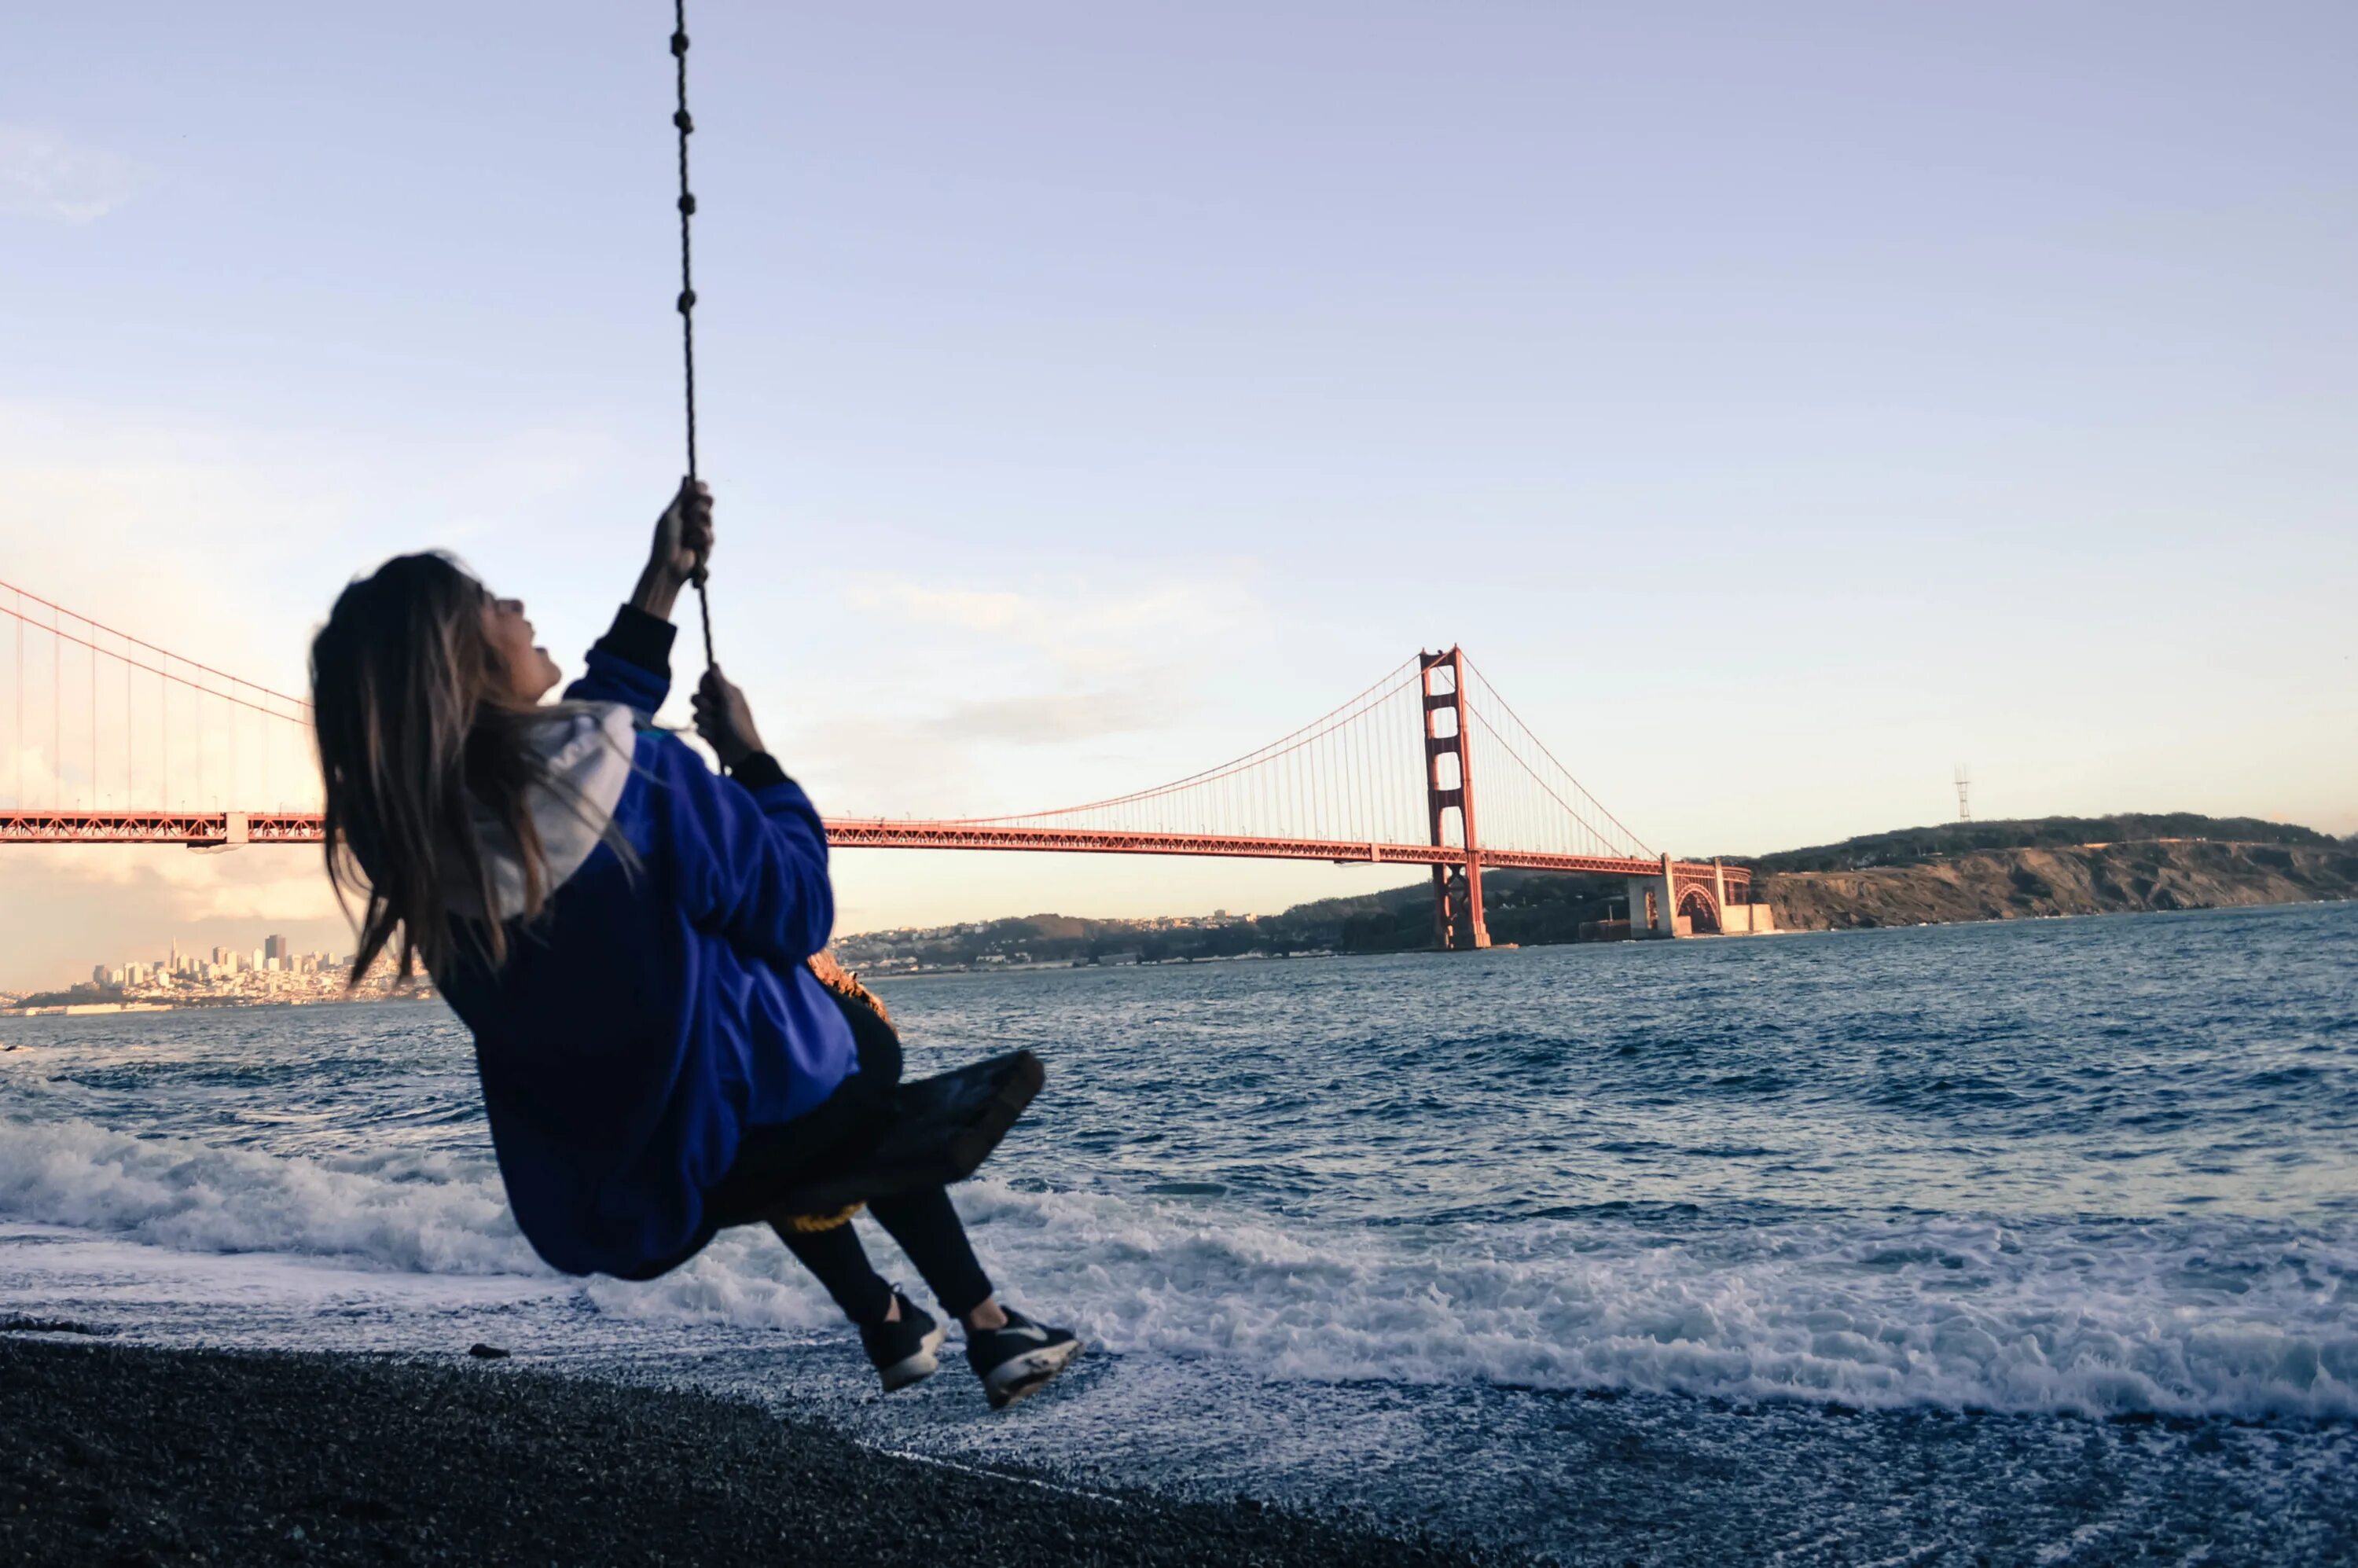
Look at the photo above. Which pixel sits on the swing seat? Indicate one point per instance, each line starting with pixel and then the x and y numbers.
pixel 941 1130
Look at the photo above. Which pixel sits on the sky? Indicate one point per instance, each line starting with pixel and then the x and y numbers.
pixel 1781 404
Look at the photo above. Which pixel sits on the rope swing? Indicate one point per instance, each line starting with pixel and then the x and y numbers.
pixel 686 125
pixel 941 1127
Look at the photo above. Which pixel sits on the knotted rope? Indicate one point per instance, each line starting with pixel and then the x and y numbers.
pixel 686 124
pixel 831 974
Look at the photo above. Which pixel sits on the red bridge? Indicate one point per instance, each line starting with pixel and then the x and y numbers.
pixel 115 740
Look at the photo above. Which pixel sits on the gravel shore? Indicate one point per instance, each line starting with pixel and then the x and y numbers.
pixel 118 1455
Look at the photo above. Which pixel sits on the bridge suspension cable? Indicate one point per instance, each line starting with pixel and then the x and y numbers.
pixel 85 741
pixel 1538 804
pixel 1340 776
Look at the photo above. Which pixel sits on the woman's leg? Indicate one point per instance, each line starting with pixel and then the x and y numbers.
pixel 921 1221
pixel 930 1232
pixel 847 1121
pixel 842 1266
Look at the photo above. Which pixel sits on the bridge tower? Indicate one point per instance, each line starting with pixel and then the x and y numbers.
pixel 1457 921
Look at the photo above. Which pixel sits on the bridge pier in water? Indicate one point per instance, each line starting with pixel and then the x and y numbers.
pixel 1654 903
pixel 1681 900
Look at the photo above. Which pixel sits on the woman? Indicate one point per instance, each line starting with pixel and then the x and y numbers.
pixel 627 935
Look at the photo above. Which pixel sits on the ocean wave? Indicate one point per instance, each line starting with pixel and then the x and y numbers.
pixel 1964 1312
pixel 2217 1318
pixel 433 1213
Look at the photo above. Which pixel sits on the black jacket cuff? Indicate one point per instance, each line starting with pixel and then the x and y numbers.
pixel 759 770
pixel 643 639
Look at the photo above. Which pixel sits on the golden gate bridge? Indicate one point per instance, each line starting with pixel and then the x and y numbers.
pixel 116 741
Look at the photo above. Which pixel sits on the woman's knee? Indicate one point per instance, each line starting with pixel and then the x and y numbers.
pixel 876 1041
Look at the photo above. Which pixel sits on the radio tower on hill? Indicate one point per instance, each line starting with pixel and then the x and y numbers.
pixel 1964 803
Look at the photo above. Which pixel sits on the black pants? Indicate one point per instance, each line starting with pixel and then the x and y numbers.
pixel 771 1159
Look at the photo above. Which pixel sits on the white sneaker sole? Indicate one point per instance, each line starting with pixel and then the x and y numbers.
pixel 918 1368
pixel 1021 1377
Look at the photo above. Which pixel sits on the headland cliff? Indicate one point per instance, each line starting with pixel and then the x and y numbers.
pixel 2029 882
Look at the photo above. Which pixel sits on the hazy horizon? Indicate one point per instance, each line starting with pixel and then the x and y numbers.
pixel 336 937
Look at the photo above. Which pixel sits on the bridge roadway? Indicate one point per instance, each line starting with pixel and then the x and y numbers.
pixel 208 829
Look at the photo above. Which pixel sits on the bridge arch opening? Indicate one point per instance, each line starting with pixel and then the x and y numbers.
pixel 1700 910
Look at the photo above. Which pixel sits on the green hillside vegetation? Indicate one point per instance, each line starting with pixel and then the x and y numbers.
pixel 1527 908
pixel 1914 846
pixel 1523 907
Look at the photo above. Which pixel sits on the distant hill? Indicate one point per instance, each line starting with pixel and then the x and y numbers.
pixel 1979 870
pixel 1524 907
pixel 1911 846
pixel 2111 879
pixel 2054 865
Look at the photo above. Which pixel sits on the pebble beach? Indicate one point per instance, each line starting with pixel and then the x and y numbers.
pixel 130 1456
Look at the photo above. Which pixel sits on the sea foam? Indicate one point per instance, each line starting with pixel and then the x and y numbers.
pixel 1949 1311
pixel 2227 1318
pixel 433 1213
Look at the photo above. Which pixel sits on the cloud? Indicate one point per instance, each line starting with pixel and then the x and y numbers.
pixel 1048 717
pixel 985 755
pixel 965 609
pixel 63 909
pixel 259 882
pixel 1081 625
pixel 104 511
pixel 973 696
pixel 44 175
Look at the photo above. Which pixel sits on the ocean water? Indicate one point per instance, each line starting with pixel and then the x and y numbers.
pixel 2030 1242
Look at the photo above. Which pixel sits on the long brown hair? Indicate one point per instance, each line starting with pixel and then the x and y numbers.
pixel 419 736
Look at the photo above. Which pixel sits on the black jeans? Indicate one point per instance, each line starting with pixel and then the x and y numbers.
pixel 771 1159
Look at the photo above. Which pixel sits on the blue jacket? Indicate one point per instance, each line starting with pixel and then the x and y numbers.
pixel 656 1008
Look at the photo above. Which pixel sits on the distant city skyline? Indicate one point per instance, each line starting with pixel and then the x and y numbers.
pixel 274 972
pixel 275 956
pixel 1781 410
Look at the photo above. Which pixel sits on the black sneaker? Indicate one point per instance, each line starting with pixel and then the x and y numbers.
pixel 905 1349
pixel 1014 1361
